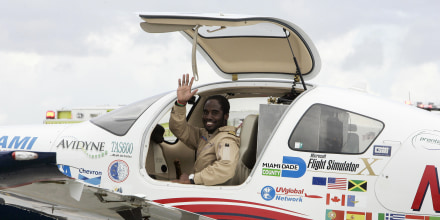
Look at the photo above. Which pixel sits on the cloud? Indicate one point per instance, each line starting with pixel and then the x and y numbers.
pixel 67 54
pixel 418 83
pixel 369 55
pixel 120 65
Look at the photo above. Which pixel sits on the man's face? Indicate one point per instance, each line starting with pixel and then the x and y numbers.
pixel 213 116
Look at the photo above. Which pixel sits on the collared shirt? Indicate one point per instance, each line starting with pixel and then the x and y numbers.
pixel 217 153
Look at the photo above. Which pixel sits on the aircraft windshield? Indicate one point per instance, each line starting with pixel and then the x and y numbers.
pixel 119 121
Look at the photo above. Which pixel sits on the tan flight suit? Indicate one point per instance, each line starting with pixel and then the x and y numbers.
pixel 217 153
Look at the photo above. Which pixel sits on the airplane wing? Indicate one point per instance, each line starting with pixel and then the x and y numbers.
pixel 24 167
pixel 94 203
pixel 36 175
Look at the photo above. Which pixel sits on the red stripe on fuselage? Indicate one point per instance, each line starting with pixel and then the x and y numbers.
pixel 236 212
pixel 227 209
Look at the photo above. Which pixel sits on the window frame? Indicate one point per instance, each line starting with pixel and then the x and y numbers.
pixel 291 143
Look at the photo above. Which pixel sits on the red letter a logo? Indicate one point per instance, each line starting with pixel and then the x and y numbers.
pixel 429 178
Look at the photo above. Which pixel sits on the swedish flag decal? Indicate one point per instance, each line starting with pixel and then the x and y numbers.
pixel 357 185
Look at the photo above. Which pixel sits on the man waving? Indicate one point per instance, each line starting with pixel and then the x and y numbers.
pixel 216 144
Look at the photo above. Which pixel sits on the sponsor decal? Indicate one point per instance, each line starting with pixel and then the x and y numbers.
pixel 117 189
pixel 382 150
pixel 429 179
pixel 268 193
pixel 429 140
pixel 92 149
pixel 285 194
pixel 320 163
pixel 17 142
pixel 271 172
pixel 320 156
pixel 272 165
pixel 357 185
pixel 118 171
pixel 91 172
pixel 292 167
pixel 121 149
pixel 93 181
pixel 294 192
pixel 290 191
pixel 337 183
pixel 65 170
pixel 368 163
pixel 288 198
pixel 334 214
pixel 332 165
pixel 92 177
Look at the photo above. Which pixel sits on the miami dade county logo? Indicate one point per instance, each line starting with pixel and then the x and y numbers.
pixel 268 193
pixel 118 171
pixel 293 167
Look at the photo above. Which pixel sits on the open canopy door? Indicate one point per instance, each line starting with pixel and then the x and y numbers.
pixel 243 46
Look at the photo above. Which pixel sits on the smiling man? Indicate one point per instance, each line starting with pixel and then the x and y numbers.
pixel 216 143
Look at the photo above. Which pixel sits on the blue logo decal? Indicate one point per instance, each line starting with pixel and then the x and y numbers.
pixel 93 181
pixel 118 171
pixel 65 170
pixel 382 150
pixel 17 142
pixel 268 193
pixel 118 189
pixel 293 167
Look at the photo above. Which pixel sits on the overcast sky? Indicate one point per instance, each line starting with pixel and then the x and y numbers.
pixel 56 53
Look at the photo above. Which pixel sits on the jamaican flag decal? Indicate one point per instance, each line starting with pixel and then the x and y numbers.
pixel 357 185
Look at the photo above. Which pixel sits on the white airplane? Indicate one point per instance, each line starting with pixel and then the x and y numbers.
pixel 307 151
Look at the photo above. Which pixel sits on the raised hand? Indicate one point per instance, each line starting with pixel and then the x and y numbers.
pixel 184 90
